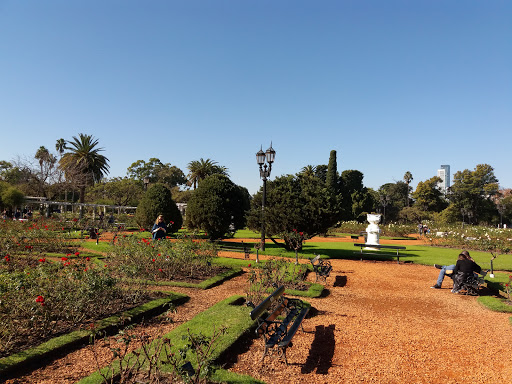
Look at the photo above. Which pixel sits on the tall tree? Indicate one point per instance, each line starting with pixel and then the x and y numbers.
pixel 332 173
pixel 392 198
pixel 408 178
pixel 321 172
pixel 352 190
pixel 46 163
pixel 83 162
pixel 116 191
pixel 428 196
pixel 295 202
pixel 200 169
pixel 157 172
pixel 472 191
pixel 60 146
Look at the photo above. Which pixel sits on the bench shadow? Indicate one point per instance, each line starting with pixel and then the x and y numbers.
pixel 229 357
pixel 340 281
pixel 321 351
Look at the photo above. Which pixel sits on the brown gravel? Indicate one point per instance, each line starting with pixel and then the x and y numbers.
pixel 379 323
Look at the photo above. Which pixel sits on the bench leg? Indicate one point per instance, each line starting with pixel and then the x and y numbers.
pixel 282 354
pixel 264 354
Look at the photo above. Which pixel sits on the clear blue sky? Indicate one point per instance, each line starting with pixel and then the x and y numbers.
pixel 392 86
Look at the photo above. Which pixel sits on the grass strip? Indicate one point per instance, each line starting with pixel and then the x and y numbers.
pixel 495 304
pixel 228 313
pixel 13 362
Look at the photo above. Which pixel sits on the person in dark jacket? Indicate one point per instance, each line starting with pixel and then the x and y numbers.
pixel 464 268
pixel 159 230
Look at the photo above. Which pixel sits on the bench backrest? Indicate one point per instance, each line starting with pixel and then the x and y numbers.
pixel 315 259
pixel 262 307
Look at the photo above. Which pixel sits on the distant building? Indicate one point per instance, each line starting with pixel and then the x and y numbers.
pixel 444 174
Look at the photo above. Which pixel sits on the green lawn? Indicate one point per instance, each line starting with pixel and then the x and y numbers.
pixel 424 255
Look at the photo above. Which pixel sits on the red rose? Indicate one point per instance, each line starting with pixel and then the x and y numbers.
pixel 77 253
pixel 249 265
pixel 40 299
pixel 87 259
pixel 64 258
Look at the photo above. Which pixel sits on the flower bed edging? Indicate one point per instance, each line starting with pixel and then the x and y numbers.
pixel 206 284
pixel 237 319
pixel 76 338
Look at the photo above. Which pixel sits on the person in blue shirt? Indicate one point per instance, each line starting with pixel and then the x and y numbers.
pixel 159 230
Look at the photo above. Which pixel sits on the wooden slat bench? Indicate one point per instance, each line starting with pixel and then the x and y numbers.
pixel 275 331
pixel 378 246
pixel 321 267
pixel 245 249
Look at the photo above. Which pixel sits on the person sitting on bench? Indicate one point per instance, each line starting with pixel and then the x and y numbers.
pixel 445 268
pixel 464 268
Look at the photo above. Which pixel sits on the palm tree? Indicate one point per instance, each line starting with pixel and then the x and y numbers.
pixel 308 171
pixel 199 169
pixel 408 179
pixel 60 146
pixel 42 155
pixel 83 162
pixel 46 163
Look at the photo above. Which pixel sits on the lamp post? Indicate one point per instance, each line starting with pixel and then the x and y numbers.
pixel 501 209
pixel 384 200
pixel 264 160
pixel 146 183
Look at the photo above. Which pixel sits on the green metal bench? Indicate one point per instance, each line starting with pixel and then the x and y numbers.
pixel 279 326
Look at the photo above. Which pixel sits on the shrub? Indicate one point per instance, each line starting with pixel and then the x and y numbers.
pixel 217 206
pixel 272 274
pixel 158 201
pixel 161 260
pixel 38 301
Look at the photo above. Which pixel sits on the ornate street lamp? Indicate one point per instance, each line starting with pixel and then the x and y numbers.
pixel 384 200
pixel 464 212
pixel 265 168
pixel 501 209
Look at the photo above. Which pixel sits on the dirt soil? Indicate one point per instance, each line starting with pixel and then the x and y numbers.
pixel 378 322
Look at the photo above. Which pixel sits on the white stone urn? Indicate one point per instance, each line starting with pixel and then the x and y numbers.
pixel 373 230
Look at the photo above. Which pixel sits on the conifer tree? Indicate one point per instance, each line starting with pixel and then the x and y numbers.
pixel 332 173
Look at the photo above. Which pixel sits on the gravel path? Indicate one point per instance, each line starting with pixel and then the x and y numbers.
pixel 379 323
